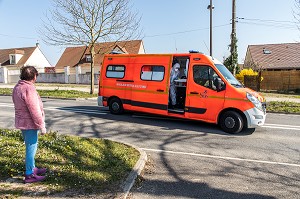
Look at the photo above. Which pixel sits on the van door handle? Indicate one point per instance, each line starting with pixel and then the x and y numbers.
pixel 160 90
pixel 194 92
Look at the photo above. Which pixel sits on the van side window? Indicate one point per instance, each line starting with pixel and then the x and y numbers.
pixel 115 71
pixel 205 76
pixel 153 73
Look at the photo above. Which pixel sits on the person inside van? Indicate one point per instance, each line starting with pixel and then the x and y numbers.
pixel 174 76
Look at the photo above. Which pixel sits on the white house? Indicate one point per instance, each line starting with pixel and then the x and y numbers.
pixel 11 60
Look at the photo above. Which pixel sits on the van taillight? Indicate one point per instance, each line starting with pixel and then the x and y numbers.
pixel 99 85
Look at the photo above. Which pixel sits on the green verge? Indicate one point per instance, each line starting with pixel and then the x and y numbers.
pixel 75 164
pixel 67 94
pixel 283 107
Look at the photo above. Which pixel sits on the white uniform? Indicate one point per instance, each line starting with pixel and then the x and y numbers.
pixel 174 75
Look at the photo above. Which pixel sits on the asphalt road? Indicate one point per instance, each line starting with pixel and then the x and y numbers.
pixel 189 159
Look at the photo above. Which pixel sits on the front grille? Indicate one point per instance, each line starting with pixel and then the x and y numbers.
pixel 264 106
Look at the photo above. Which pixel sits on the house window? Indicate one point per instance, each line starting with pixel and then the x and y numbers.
pixel 88 58
pixel 115 71
pixel 153 73
pixel 12 59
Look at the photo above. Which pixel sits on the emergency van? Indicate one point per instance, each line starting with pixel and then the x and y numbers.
pixel 205 89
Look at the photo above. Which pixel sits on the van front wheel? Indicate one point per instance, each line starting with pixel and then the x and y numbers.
pixel 231 122
pixel 116 106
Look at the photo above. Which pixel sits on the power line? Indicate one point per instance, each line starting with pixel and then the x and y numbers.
pixel 271 23
pixel 186 31
pixel 267 20
pixel 21 37
pixel 281 26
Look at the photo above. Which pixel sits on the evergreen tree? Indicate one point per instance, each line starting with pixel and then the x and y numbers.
pixel 231 62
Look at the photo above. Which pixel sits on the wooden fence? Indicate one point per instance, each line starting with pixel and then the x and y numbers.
pixel 288 80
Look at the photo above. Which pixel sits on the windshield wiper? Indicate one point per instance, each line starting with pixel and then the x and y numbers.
pixel 238 85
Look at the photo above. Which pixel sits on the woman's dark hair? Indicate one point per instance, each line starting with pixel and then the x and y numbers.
pixel 28 73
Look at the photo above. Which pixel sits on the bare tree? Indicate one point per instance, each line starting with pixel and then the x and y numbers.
pixel 297 12
pixel 87 22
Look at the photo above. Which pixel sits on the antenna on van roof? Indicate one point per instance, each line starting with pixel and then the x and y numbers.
pixel 115 52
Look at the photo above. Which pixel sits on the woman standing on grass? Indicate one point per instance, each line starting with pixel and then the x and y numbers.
pixel 29 118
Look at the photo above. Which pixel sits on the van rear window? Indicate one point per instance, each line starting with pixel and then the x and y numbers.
pixel 153 73
pixel 115 71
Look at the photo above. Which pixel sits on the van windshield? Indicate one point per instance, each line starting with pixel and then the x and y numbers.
pixel 229 76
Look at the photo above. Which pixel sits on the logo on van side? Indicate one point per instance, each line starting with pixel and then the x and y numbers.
pixel 204 94
pixel 131 85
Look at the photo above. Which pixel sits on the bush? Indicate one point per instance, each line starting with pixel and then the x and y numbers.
pixel 246 72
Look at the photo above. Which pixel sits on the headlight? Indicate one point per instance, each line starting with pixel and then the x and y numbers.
pixel 255 101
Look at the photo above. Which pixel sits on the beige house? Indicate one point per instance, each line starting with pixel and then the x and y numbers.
pixel 80 56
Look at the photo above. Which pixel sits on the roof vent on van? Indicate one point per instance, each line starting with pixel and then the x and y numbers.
pixel 115 52
pixel 193 51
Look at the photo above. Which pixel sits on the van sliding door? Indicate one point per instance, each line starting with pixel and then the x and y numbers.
pixel 150 90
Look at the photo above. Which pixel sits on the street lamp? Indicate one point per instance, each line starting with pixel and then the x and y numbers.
pixel 210 7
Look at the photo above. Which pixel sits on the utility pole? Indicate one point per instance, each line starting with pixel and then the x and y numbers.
pixel 233 36
pixel 210 7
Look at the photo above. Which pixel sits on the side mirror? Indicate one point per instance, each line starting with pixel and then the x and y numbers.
pixel 220 85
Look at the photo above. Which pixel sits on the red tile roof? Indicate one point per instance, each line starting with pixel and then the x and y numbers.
pixel 73 56
pixel 275 56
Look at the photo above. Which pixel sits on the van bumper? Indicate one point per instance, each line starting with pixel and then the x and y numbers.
pixel 100 100
pixel 255 117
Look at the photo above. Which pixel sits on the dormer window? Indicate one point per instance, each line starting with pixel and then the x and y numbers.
pixel 12 59
pixel 88 58
pixel 15 56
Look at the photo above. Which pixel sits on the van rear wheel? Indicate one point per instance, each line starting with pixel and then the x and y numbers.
pixel 116 106
pixel 231 122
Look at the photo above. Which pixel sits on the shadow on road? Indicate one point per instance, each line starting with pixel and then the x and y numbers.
pixel 170 131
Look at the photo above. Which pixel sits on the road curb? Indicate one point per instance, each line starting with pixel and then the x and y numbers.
pixel 136 171
pixel 128 183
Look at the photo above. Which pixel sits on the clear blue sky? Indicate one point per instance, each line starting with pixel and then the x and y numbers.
pixel 169 25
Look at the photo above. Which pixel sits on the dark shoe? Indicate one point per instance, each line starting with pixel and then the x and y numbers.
pixel 40 171
pixel 33 178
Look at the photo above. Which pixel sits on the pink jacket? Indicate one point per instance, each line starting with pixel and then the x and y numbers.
pixel 29 112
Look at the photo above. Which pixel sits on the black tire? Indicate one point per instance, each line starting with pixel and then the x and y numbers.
pixel 116 106
pixel 231 122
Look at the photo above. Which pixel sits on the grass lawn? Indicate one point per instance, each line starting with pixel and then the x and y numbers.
pixel 76 165
pixel 283 107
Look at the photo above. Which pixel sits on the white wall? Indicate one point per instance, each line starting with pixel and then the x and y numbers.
pixel 51 78
pixel 13 76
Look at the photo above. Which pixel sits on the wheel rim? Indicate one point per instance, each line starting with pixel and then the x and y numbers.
pixel 229 122
pixel 115 106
